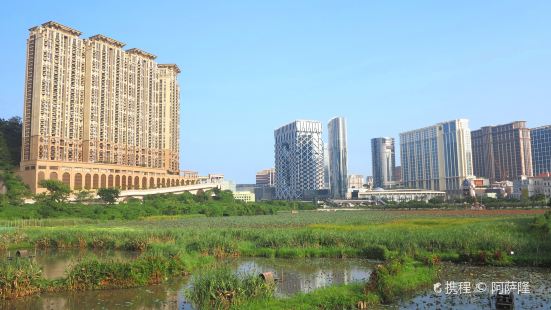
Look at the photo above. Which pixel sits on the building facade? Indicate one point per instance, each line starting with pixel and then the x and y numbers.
pixel 383 161
pixel 245 196
pixel 398 175
pixel 355 181
pixel 381 196
pixel 437 157
pixel 298 159
pixel 503 152
pixel 96 115
pixel 338 173
pixel 265 177
pixel 525 187
pixel 541 149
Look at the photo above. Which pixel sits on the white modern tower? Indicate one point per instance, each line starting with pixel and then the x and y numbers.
pixel 437 157
pixel 338 174
pixel 298 159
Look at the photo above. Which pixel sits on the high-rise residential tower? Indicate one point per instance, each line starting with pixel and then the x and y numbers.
pixel 541 149
pixel 96 115
pixel 437 157
pixel 383 162
pixel 298 159
pixel 502 153
pixel 338 174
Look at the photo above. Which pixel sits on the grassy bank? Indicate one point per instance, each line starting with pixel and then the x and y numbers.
pixel 476 238
pixel 22 277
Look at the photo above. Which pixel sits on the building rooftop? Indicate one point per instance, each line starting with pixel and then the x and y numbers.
pixel 141 53
pixel 58 26
pixel 101 37
pixel 170 66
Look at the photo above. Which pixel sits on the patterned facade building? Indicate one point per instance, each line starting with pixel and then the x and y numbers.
pixel 96 115
pixel 338 171
pixel 541 150
pixel 437 157
pixel 298 159
pixel 383 161
pixel 502 153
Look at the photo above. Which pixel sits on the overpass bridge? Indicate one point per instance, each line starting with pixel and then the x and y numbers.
pixel 140 193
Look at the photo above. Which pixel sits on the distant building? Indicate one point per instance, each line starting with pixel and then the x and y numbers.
pixel 265 193
pixel 369 182
pixel 265 177
pixel 525 187
pixel 437 157
pixel 355 181
pixel 338 175
pixel 244 196
pixel 398 175
pixel 541 149
pixel 245 187
pixel 383 161
pixel 326 173
pixel 298 159
pixel 502 152
pixel 227 185
pixel 382 196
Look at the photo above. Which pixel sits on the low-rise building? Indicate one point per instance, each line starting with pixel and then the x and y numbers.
pixel 244 196
pixel 381 196
pixel 526 187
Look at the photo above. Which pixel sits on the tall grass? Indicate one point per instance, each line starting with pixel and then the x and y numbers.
pixel 222 288
pixel 19 278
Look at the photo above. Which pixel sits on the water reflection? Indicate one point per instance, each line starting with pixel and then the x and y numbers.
pixel 306 275
pixel 296 275
pixel 55 263
pixel 538 278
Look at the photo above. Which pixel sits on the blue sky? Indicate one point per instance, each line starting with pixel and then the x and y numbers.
pixel 249 67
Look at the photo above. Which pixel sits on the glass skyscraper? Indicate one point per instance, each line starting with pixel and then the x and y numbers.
pixel 338 175
pixel 383 161
pixel 541 149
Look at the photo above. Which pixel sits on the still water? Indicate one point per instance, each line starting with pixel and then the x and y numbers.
pixel 294 275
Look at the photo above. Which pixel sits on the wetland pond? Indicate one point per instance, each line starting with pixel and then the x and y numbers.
pixel 295 275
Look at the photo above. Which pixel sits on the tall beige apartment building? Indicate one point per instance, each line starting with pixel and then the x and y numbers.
pixel 503 152
pixel 97 115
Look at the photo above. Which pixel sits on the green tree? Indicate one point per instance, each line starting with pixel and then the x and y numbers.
pixel 10 142
pixel 57 190
pixel 84 195
pixel 109 194
pixel 16 190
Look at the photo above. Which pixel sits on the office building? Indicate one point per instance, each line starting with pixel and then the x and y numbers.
pixel 503 152
pixel 541 149
pixel 298 159
pixel 437 157
pixel 383 162
pixel 338 174
pixel 265 177
pixel 96 115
